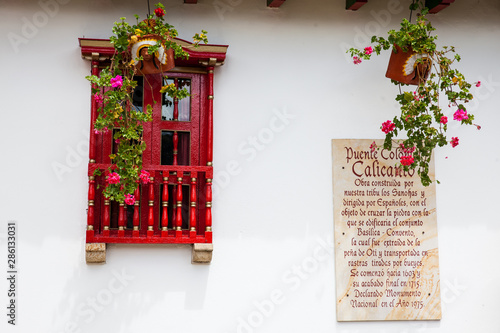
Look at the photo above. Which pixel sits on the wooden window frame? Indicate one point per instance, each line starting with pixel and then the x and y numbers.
pixel 197 177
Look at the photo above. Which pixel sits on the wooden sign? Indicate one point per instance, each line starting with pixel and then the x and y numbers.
pixel 386 253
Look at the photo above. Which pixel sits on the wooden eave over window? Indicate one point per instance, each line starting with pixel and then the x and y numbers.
pixel 434 6
pixel 270 3
pixel 203 55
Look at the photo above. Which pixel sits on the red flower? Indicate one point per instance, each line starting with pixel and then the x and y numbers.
pixel 159 12
pixel 407 160
pixel 454 142
pixel 114 178
pixel 144 177
pixel 129 199
pixel 388 126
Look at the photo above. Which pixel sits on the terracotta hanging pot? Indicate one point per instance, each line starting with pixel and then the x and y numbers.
pixel 403 66
pixel 161 61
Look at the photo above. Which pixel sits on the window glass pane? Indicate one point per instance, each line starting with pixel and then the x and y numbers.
pixel 138 94
pixel 183 106
pixel 167 105
pixel 168 149
pixel 185 103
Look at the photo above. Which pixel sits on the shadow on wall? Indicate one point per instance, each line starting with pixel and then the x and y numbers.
pixel 136 279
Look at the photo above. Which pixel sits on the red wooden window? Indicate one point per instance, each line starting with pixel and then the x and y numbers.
pixel 176 206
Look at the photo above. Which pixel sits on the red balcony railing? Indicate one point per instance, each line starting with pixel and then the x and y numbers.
pixel 175 207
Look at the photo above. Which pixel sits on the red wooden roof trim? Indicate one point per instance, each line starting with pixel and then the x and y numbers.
pixel 202 54
pixel 434 6
pixel 275 3
pixel 354 4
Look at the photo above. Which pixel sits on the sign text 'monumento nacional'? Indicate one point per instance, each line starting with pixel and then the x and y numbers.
pixel 386 253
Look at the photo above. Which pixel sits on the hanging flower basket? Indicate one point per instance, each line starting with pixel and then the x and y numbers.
pixel 161 61
pixel 408 67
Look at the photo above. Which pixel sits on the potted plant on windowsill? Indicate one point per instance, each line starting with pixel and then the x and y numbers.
pixel 416 60
pixel 146 47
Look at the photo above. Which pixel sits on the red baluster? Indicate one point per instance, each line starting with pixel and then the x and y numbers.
pixel 90 211
pixel 174 208
pixel 121 220
pixel 210 115
pixel 192 213
pixel 151 208
pixel 164 211
pixel 106 217
pixel 175 140
pixel 137 194
pixel 208 211
pixel 178 228
pixel 176 102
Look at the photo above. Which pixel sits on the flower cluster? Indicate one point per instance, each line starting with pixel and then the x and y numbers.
pixel 460 115
pixel 144 177
pixel 114 178
pixel 159 12
pixel 388 126
pixel 406 150
pixel 454 142
pixel 407 160
pixel 98 98
pixel 117 81
pixel 129 199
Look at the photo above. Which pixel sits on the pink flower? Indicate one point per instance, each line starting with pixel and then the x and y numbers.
pixel 129 199
pixel 117 141
pixel 114 178
pixel 96 131
pixel 388 126
pixel 443 120
pixel 454 142
pixel 478 84
pixel 407 151
pixel 368 50
pixel 144 177
pixel 356 60
pixel 117 81
pixel 407 160
pixel 98 98
pixel 159 12
pixel 460 115
pixel 373 146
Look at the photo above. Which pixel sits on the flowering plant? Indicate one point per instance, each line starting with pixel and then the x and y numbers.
pixel 113 89
pixel 422 116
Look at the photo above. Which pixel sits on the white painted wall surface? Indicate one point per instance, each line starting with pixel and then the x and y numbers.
pixel 273 221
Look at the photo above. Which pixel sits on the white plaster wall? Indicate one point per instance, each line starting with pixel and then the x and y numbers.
pixel 273 221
